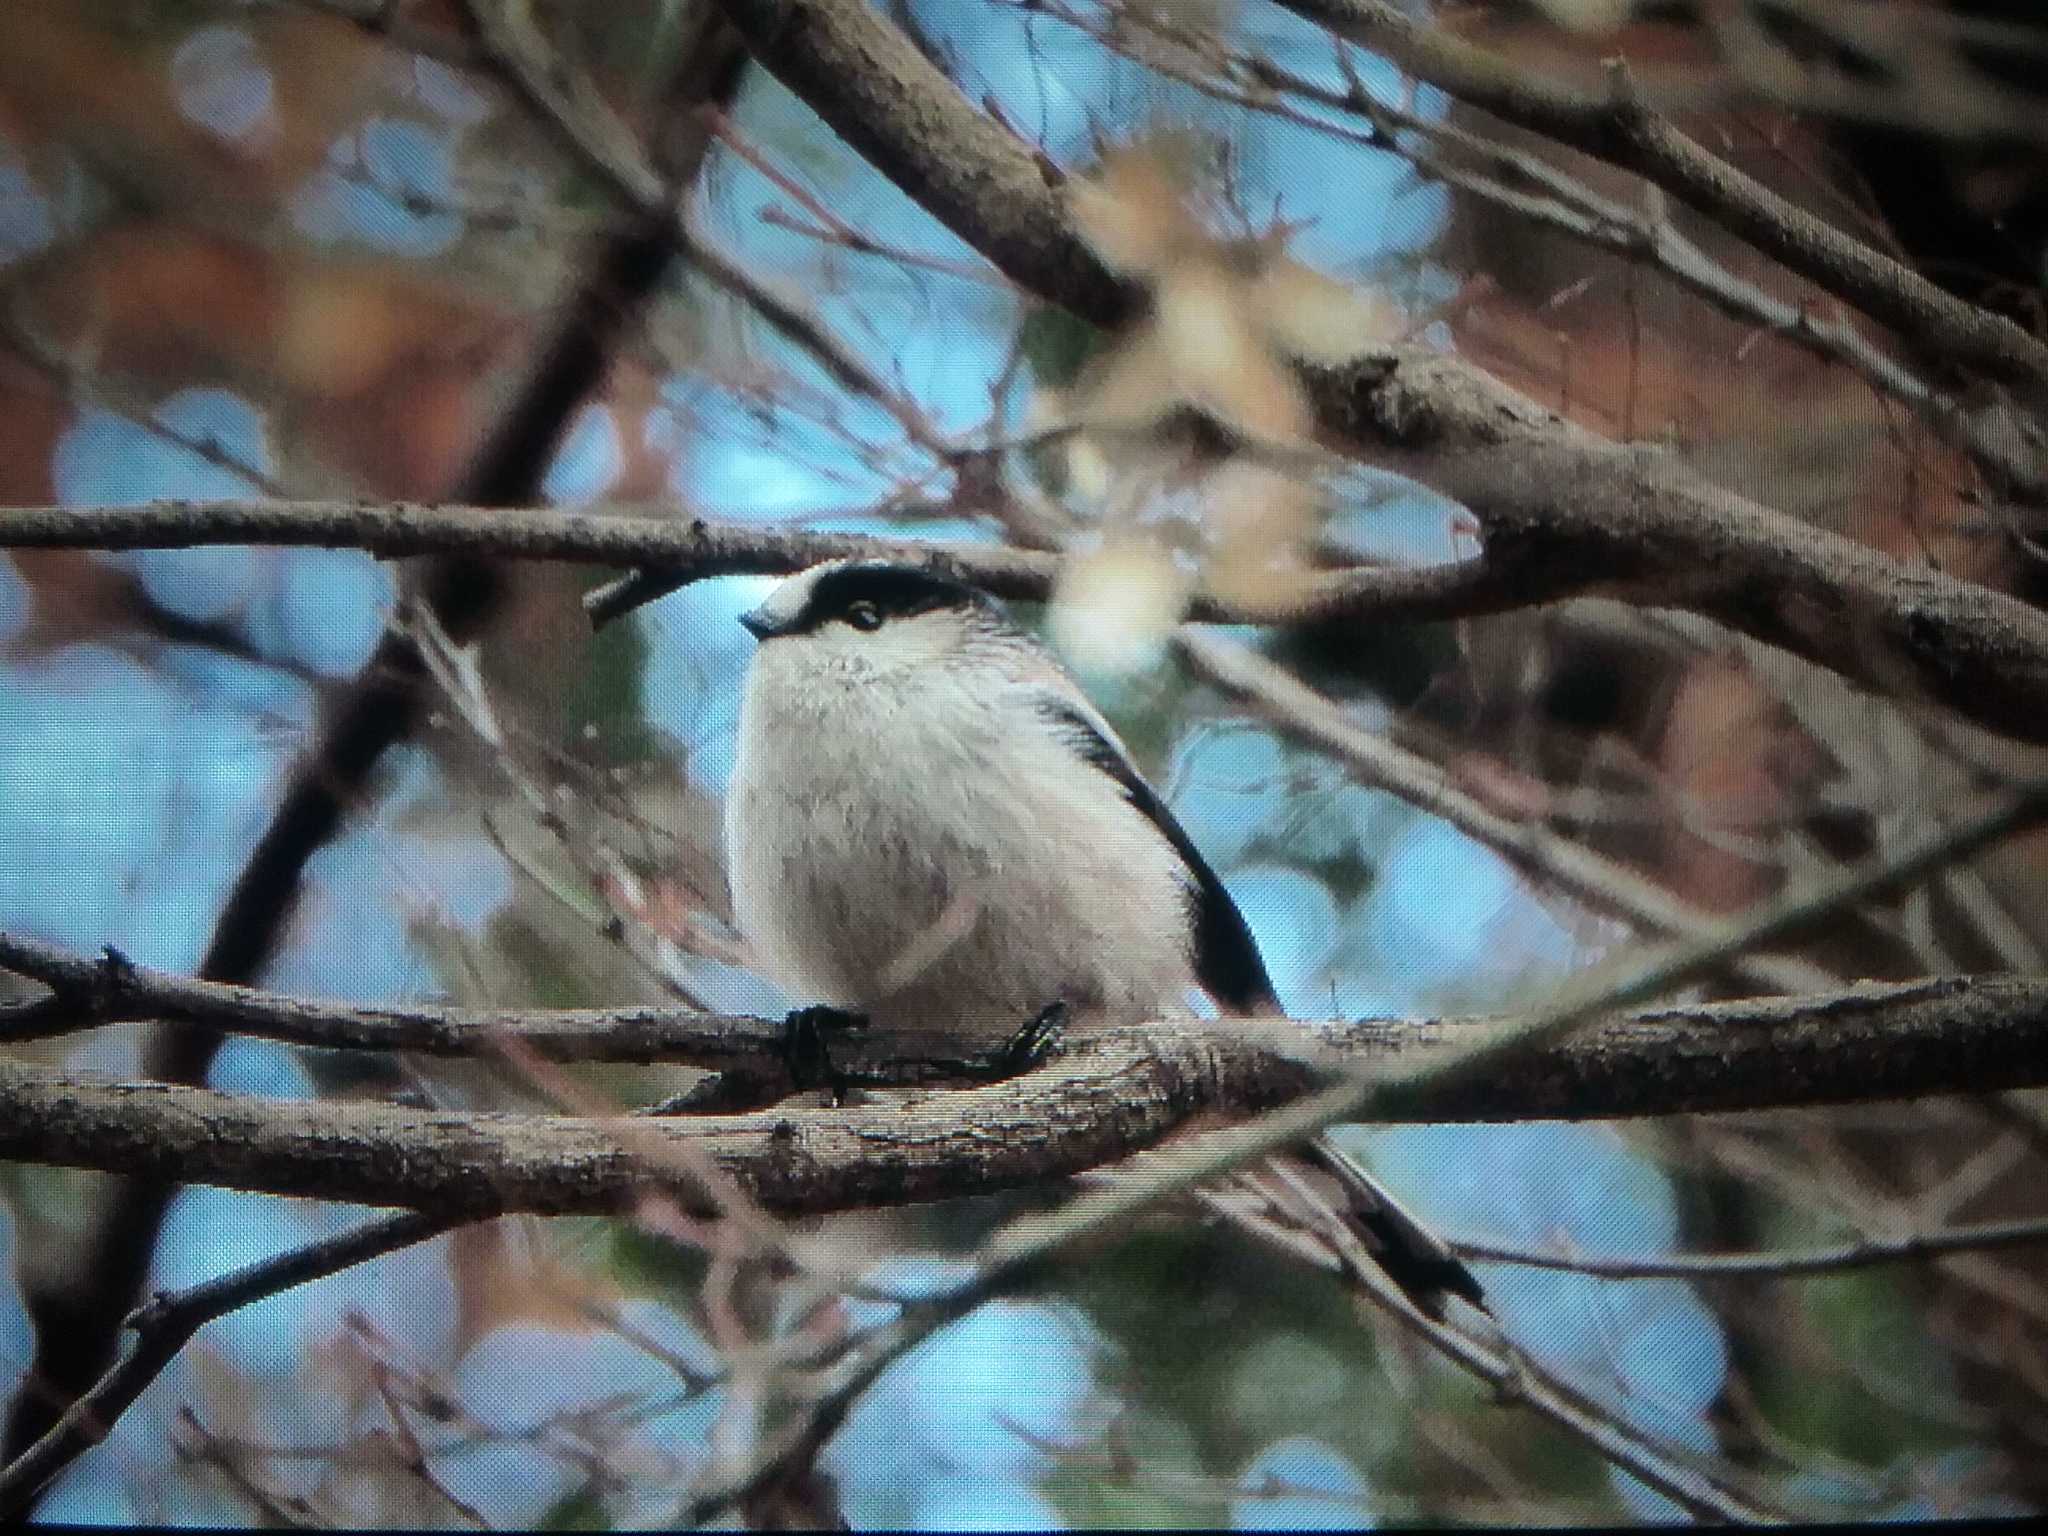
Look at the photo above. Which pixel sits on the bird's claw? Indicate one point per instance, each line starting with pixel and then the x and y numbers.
pixel 1032 1045
pixel 804 1051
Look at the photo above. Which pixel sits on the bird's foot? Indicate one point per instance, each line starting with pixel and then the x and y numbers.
pixel 804 1051
pixel 1031 1046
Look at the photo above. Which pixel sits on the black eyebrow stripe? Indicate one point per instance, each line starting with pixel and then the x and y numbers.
pixel 897 591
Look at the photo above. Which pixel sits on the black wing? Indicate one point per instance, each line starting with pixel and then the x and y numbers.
pixel 1226 957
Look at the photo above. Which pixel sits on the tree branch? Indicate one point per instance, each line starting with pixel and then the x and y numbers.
pixel 697 548
pixel 165 1324
pixel 1565 514
pixel 1110 1096
pixel 1682 1057
pixel 1625 132
pixel 1566 510
pixel 1791 1263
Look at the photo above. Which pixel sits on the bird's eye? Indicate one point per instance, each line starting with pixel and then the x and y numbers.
pixel 864 615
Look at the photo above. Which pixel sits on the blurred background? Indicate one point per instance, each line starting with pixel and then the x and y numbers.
pixel 321 249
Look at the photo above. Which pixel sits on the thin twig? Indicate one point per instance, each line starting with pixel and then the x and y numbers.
pixel 1619 128
pixel 1862 1253
pixel 1572 867
pixel 166 1323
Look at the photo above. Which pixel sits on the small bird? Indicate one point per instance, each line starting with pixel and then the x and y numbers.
pixel 929 824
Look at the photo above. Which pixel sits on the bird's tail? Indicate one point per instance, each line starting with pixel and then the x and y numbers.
pixel 1422 1264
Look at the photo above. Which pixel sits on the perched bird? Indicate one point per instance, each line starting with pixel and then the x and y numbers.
pixel 929 824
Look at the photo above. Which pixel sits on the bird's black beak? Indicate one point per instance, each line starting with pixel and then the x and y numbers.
pixel 761 624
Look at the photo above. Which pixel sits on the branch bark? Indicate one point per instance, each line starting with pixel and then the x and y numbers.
pixel 697 548
pixel 1565 514
pixel 1111 1096
pixel 1565 510
pixel 1621 130
pixel 1623 1069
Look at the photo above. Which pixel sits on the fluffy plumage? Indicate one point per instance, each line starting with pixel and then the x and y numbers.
pixel 929 823
pixel 910 837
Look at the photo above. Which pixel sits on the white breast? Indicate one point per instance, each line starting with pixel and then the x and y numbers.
pixel 936 857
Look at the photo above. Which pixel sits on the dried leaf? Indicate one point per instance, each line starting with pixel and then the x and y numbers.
pixel 1593 16
pixel 1219 359
pixel 1312 316
pixel 1131 213
pixel 1114 606
pixel 1260 521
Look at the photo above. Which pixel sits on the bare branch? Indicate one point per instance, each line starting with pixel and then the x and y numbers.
pixel 166 1323
pixel 1564 509
pixel 1664 1060
pixel 1791 1263
pixel 1110 1096
pixel 691 550
pixel 1622 130
pixel 1566 514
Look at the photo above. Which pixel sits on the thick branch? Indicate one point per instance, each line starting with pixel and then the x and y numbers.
pixel 1564 509
pixel 1663 537
pixel 1112 1096
pixel 1622 1069
pixel 1620 129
